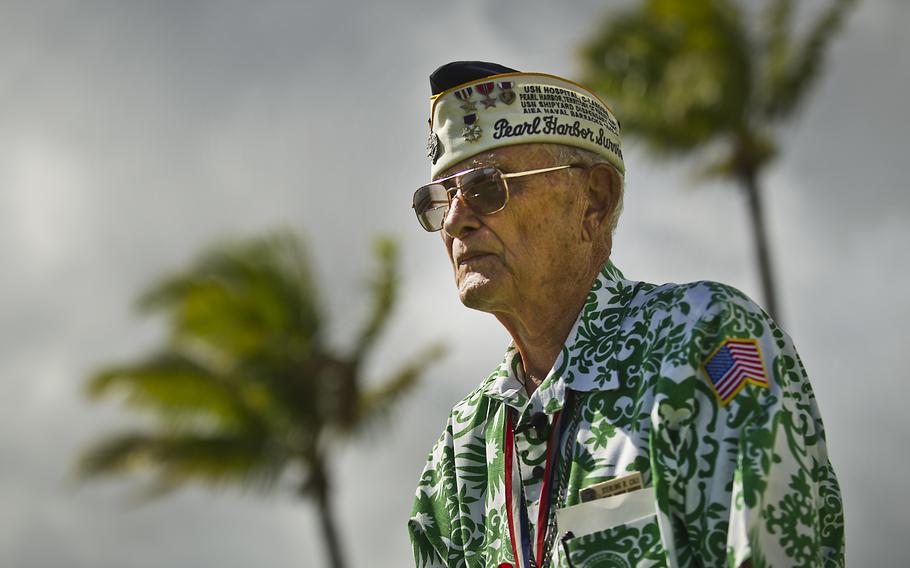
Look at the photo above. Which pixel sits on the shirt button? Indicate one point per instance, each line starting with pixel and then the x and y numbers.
pixel 538 472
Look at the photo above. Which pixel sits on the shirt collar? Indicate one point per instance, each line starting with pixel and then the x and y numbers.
pixel 585 362
pixel 506 382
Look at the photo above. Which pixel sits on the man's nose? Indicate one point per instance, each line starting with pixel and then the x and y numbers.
pixel 460 218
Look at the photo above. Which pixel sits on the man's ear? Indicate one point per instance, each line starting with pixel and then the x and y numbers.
pixel 603 190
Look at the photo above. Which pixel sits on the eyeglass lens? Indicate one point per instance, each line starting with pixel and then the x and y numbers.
pixel 483 190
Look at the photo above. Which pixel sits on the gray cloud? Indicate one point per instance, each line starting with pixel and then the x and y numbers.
pixel 135 133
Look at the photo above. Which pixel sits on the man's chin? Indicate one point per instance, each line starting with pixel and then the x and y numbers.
pixel 477 291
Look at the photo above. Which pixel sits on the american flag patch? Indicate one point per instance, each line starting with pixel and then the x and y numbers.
pixel 732 365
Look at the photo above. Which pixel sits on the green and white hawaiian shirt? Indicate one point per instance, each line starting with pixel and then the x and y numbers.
pixel 692 386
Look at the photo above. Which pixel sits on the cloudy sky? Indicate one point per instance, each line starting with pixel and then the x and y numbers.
pixel 134 133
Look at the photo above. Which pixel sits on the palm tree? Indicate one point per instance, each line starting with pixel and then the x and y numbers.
pixel 245 388
pixel 713 78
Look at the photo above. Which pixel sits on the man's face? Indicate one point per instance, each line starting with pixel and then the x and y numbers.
pixel 530 250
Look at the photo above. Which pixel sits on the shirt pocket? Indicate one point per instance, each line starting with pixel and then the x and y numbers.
pixel 634 545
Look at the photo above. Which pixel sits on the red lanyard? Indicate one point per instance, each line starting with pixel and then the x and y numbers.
pixel 518 534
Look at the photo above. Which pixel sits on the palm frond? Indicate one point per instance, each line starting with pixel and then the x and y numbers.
pixel 383 290
pixel 244 384
pixel 179 458
pixel 775 49
pixel 679 72
pixel 796 69
pixel 175 385
pixel 376 404
pixel 244 299
pixel 117 455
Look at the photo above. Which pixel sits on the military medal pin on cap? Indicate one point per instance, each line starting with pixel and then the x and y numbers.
pixel 472 130
pixel 433 145
pixel 485 89
pixel 464 95
pixel 506 95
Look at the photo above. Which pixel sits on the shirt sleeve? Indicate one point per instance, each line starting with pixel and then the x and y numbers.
pixel 750 478
pixel 431 517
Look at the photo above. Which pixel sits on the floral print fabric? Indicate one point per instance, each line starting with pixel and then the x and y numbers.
pixel 748 479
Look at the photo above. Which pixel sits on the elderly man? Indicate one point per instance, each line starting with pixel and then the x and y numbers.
pixel 629 424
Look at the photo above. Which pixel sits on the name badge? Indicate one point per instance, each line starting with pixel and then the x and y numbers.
pixel 618 486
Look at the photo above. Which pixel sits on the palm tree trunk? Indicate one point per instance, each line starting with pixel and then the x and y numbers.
pixel 327 519
pixel 749 179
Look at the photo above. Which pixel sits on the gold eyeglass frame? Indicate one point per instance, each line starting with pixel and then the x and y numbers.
pixel 502 175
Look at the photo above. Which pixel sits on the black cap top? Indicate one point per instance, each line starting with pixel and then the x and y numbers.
pixel 461 72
